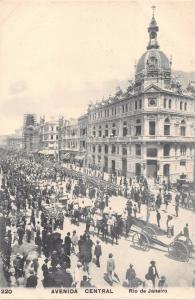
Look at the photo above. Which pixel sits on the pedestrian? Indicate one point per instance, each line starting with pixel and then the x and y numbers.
pixel 130 275
pixel 38 242
pixel 162 282
pixel 158 217
pixel 135 210
pixel 110 268
pixel 31 281
pixel 67 244
pixel 152 273
pixel 77 274
pixel 28 232
pixel 176 209
pixel 186 232
pixel 45 272
pixel 74 241
pixel 98 253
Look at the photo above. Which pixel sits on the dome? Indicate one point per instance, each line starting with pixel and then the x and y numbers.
pixel 153 57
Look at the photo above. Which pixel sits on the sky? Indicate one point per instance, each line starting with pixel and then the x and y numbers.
pixel 58 56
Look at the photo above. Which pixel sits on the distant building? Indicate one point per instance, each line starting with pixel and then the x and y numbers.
pixel 30 122
pixel 68 139
pixel 15 141
pixel 48 137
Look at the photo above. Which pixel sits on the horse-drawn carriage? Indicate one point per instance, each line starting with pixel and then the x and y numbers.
pixel 180 248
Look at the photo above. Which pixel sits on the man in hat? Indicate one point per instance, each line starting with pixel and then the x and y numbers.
pixel 67 244
pixel 130 275
pixel 45 272
pixel 18 265
pixel 152 273
pixel 98 253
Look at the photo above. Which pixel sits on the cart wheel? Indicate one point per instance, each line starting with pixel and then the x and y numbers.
pixel 141 240
pixel 151 231
pixel 179 251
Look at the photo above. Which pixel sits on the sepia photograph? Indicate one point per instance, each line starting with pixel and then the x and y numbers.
pixel 97 149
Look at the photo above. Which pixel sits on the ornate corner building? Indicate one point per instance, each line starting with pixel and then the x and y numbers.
pixel 149 129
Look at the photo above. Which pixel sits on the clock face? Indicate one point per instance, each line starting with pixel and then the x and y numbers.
pixel 152 102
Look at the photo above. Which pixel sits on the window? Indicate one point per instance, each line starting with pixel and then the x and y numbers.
pixel 100 131
pixel 181 105
pixel 106 130
pixel 183 150
pixel 51 128
pixel 140 103
pixel 52 137
pixel 182 162
pixel 124 128
pixel 113 149
pixel 99 158
pixel 183 128
pixel 185 106
pixel 93 148
pixel 152 127
pixel 152 152
pixel 136 104
pixel 94 131
pixel 123 109
pixel 167 127
pixel 126 107
pixel 165 102
pixel 137 149
pixel 106 149
pixel 166 170
pixel 113 129
pixel 170 102
pixel 138 128
pixel 99 149
pixel 124 150
pixel 166 150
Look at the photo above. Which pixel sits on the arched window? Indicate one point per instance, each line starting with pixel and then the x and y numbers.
pixel 166 150
pixel 165 102
pixel 183 128
pixel 167 126
pixel 106 130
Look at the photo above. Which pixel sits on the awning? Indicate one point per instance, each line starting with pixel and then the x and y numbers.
pixel 66 156
pixel 47 151
pixel 79 157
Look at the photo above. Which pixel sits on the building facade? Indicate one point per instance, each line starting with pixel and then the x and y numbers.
pixel 68 138
pixel 149 129
pixel 48 137
pixel 15 141
pixel 29 124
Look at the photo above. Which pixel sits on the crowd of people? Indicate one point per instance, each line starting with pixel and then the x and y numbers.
pixel 32 220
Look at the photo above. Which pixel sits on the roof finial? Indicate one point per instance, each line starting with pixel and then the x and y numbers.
pixel 153 9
